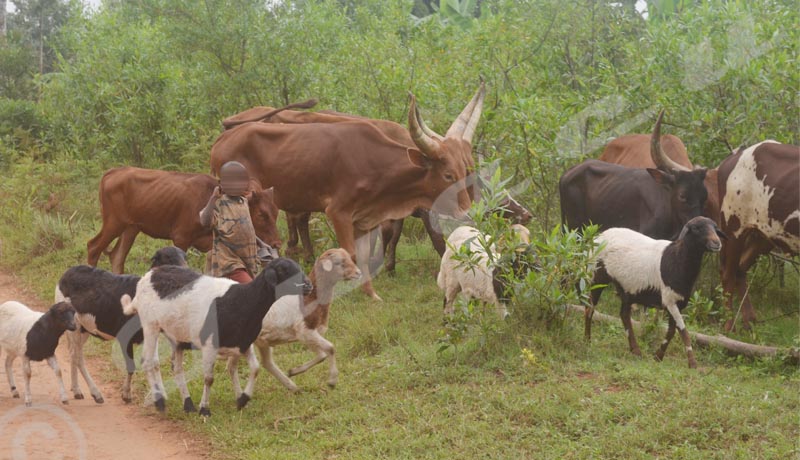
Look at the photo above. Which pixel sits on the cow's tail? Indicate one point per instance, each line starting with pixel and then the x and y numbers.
pixel 103 208
pixel 297 105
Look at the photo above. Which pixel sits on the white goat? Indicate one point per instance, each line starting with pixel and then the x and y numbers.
pixel 33 336
pixel 474 281
pixel 217 315
pixel 305 319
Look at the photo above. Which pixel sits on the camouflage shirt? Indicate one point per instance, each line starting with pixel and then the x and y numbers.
pixel 234 237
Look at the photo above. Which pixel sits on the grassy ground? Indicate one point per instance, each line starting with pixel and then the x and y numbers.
pixel 398 397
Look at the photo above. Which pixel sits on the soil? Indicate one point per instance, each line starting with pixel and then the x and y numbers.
pixel 82 429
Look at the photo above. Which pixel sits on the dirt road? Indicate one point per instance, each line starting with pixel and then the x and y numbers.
pixel 82 429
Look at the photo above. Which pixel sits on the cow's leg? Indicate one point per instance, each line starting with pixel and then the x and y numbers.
pixel 291 225
pixel 96 246
pixel 390 244
pixel 435 234
pixel 625 314
pixel 594 297
pixel 755 247
pixel 120 253
pixel 362 260
pixel 305 236
pixel 343 226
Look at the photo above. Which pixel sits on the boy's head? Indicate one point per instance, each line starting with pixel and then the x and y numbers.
pixel 233 179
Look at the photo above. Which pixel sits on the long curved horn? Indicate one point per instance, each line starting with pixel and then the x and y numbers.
pixel 661 160
pixel 457 128
pixel 425 128
pixel 476 116
pixel 426 144
pixel 297 105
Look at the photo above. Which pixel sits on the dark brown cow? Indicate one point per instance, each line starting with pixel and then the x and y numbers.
pixel 166 205
pixel 633 151
pixel 356 174
pixel 655 202
pixel 760 212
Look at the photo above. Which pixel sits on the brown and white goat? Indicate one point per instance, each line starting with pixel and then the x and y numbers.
pixel 305 319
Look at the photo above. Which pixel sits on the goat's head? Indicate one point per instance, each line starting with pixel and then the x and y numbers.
pixel 287 278
pixel 703 231
pixel 63 314
pixel 338 263
pixel 169 255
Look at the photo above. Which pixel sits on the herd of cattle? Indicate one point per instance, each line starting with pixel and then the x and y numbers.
pixel 367 175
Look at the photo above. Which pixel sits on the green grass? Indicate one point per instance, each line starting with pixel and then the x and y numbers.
pixel 399 398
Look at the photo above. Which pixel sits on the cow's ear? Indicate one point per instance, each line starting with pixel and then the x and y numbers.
pixel 663 178
pixel 418 158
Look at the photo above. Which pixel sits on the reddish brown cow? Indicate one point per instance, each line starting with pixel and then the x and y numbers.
pixel 166 205
pixel 356 174
pixel 633 151
pixel 760 212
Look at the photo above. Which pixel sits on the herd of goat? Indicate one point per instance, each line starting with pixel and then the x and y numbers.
pixel 651 249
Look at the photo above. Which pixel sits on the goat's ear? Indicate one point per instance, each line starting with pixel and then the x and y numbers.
pixel 327 265
pixel 663 178
pixel 720 233
pixel 684 231
pixel 271 276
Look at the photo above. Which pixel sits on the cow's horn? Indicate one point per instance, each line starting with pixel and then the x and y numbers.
pixel 661 160
pixel 426 144
pixel 425 128
pixel 460 125
pixel 476 115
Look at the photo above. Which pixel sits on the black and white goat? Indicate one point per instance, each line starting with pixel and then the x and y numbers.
pixel 34 336
pixel 655 273
pixel 217 315
pixel 305 319
pixel 95 294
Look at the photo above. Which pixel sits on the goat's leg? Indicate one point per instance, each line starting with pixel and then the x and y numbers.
pixel 252 364
pixel 10 374
pixel 667 339
pixel 625 314
pixel 209 358
pixel 233 369
pixel 151 368
pixel 675 313
pixel 57 370
pixel 324 349
pixel 450 292
pixel 272 368
pixel 180 379
pixel 26 373
pixel 77 341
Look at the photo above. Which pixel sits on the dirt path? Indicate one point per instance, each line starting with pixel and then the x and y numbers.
pixel 82 429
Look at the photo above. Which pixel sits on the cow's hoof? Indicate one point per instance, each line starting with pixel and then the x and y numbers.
pixel 28 404
pixel 161 404
pixel 205 412
pixel 98 399
pixel 188 405
pixel 127 399
pixel 65 402
pixel 242 401
pixel 78 396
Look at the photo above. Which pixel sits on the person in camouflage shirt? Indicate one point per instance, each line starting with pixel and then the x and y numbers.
pixel 235 245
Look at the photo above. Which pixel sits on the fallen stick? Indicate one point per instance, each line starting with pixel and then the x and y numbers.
pixel 733 346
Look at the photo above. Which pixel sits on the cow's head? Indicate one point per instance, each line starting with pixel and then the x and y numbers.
pixel 688 193
pixel 448 158
pixel 264 214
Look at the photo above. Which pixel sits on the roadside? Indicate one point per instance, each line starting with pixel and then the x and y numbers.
pixel 81 429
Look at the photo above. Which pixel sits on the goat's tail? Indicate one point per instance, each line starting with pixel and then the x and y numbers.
pixel 127 305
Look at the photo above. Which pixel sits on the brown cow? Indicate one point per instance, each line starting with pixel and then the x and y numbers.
pixel 356 174
pixel 760 212
pixel 633 151
pixel 166 205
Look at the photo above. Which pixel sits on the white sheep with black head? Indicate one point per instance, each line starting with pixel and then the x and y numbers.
pixel 33 336
pixel 656 273
pixel 217 315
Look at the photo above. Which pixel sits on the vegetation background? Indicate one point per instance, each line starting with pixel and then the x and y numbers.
pixel 146 83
